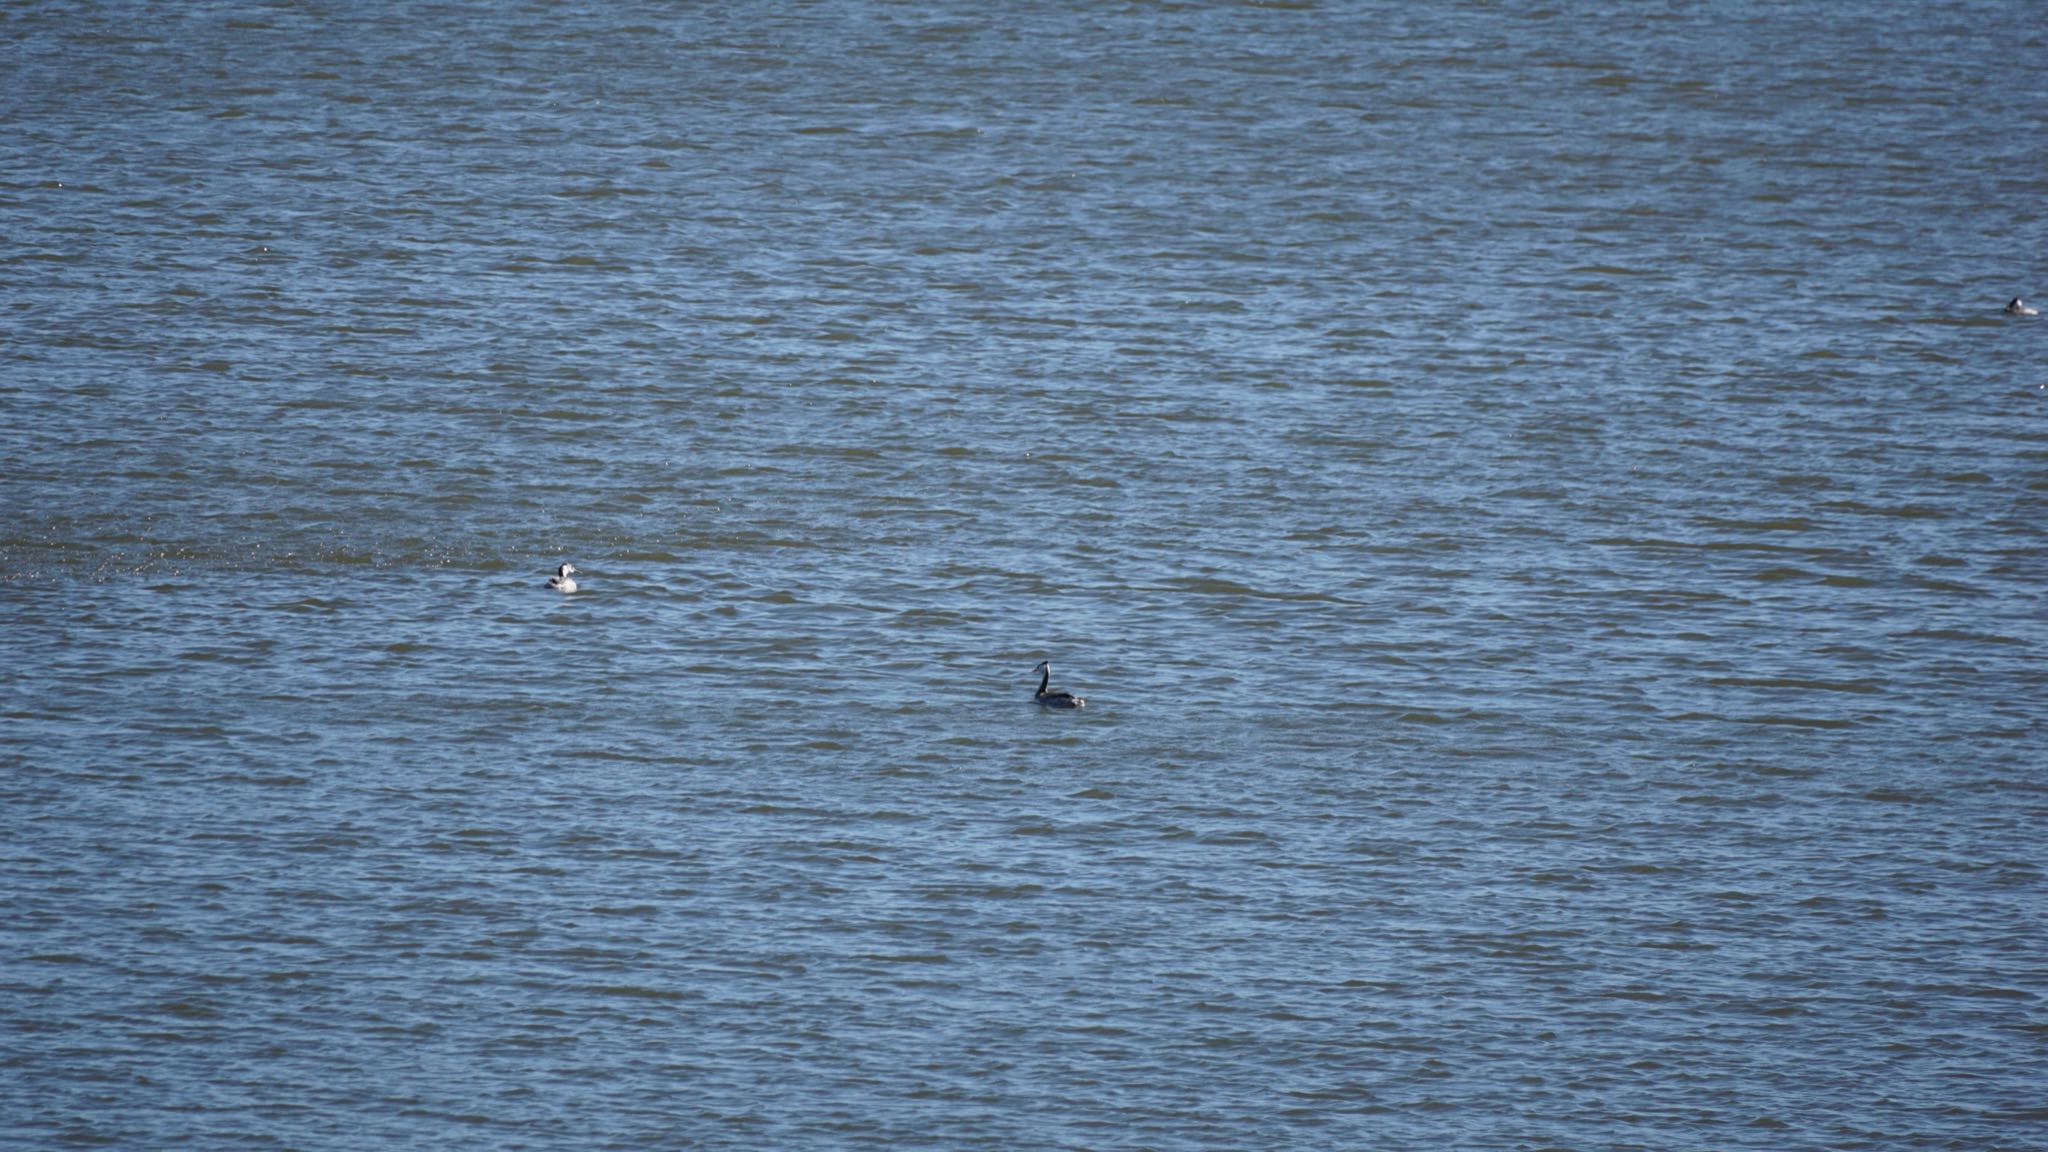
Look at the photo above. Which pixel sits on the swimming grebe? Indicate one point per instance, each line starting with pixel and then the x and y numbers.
pixel 1054 699
pixel 2019 307
pixel 560 580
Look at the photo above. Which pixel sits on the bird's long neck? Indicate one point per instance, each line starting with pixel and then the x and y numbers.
pixel 1044 679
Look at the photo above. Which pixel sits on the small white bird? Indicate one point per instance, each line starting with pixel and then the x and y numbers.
pixel 560 581
pixel 2019 307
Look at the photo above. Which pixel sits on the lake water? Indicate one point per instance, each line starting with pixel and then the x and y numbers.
pixel 1544 505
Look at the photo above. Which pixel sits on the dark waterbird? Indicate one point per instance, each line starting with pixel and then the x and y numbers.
pixel 1054 699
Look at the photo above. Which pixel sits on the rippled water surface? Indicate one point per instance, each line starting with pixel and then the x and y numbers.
pixel 1544 506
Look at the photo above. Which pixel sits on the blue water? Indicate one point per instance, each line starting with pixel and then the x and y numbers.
pixel 1544 507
